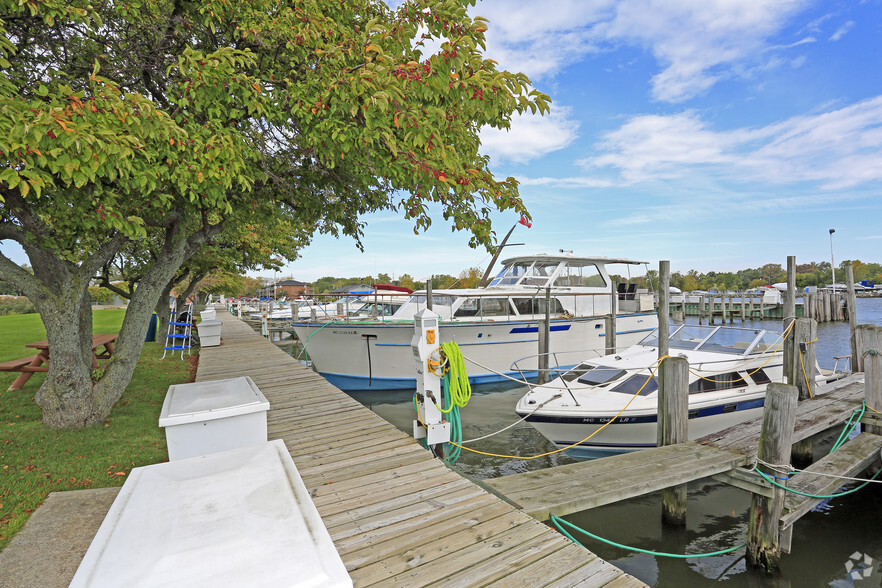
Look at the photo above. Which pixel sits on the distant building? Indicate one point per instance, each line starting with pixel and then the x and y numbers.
pixel 288 288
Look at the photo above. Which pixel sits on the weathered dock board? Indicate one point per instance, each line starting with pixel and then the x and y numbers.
pixel 575 487
pixel 849 460
pixel 397 516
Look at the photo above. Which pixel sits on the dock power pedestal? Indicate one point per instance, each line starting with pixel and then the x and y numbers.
pixel 426 343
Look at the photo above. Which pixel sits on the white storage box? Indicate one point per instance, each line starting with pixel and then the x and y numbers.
pixel 209 333
pixel 237 518
pixel 209 314
pixel 207 417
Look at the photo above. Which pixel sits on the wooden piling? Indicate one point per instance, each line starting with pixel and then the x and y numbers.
pixel 856 363
pixel 673 427
pixel 664 298
pixel 871 339
pixel 805 334
pixel 779 417
pixel 610 341
pixel 544 339
pixel 789 318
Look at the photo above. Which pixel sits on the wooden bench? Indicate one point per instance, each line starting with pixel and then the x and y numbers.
pixel 22 365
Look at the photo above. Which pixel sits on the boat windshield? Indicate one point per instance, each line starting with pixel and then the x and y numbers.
pixel 511 274
pixel 600 375
pixel 722 339
pixel 535 273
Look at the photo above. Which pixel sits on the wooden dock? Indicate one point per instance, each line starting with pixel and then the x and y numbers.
pixel 397 515
pixel 575 487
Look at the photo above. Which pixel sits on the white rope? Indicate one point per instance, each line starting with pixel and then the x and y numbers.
pixel 555 397
pixel 789 469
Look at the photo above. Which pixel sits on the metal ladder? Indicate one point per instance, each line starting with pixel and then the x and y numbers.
pixel 179 333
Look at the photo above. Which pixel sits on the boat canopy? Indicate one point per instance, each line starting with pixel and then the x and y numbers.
pixel 557 270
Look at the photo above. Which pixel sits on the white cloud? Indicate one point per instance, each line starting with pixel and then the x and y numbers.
pixel 530 136
pixel 541 38
pixel 696 42
pixel 842 30
pixel 836 149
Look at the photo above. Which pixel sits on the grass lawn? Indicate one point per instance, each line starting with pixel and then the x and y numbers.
pixel 35 460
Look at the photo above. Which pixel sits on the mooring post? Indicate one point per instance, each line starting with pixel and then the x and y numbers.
pixel 673 427
pixel 544 339
pixel 857 365
pixel 871 351
pixel 796 351
pixel 664 306
pixel 799 362
pixel 610 341
pixel 789 318
pixel 779 417
pixel 429 294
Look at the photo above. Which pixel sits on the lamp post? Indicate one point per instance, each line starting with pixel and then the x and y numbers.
pixel 832 264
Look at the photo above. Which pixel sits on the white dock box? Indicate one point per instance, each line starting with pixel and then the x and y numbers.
pixel 237 518
pixel 209 333
pixel 209 314
pixel 207 417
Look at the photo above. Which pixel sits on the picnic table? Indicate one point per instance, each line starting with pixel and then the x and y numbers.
pixel 102 348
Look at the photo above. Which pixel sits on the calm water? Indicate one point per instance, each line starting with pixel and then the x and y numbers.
pixel 823 541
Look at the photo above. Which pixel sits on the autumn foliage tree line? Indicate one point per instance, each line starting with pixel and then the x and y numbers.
pixel 807 274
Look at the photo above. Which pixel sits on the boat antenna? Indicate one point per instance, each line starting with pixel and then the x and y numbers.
pixel 486 277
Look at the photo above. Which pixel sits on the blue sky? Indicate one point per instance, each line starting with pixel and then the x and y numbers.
pixel 715 134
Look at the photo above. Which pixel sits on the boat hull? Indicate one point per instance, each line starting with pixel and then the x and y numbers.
pixel 378 356
pixel 631 432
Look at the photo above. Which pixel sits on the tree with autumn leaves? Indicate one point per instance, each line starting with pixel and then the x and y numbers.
pixel 175 123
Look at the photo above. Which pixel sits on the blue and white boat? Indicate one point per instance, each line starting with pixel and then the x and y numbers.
pixel 494 326
pixel 729 369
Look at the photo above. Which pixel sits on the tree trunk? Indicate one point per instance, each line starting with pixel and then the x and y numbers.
pixel 69 397
pixel 66 397
pixel 163 310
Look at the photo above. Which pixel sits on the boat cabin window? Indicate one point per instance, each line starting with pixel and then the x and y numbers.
pixel 537 306
pixel 420 300
pixel 718 382
pixel 600 375
pixel 511 274
pixel 576 372
pixel 759 377
pixel 483 307
pixel 644 383
pixel 580 275
pixel 539 273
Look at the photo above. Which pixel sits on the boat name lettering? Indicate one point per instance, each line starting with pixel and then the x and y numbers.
pixel 345 332
pixel 602 420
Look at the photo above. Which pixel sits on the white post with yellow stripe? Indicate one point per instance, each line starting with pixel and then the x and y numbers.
pixel 425 345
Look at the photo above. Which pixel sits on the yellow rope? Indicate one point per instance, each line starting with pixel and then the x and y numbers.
pixel 805 376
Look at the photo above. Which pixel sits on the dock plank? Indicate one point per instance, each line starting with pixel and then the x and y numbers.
pixel 575 487
pixel 852 458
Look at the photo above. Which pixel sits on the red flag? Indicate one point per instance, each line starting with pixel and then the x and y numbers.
pixel 525 222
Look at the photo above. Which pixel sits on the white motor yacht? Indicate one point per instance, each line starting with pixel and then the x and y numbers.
pixel 494 326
